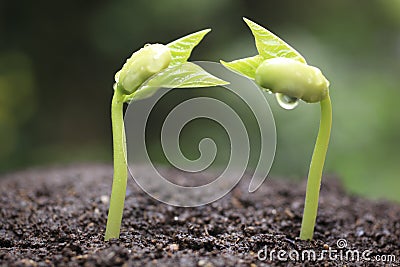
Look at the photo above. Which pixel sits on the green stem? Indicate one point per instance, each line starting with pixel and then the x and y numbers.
pixel 120 168
pixel 315 173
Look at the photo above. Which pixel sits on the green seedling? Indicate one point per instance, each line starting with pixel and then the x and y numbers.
pixel 281 70
pixel 148 69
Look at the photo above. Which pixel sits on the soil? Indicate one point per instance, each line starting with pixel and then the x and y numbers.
pixel 57 217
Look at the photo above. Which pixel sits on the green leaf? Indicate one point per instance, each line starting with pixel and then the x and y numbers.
pixel 186 75
pixel 182 48
pixel 270 46
pixel 245 66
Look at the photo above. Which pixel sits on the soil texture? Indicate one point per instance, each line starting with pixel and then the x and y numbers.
pixel 57 217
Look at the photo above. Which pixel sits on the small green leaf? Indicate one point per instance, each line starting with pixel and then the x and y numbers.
pixel 182 48
pixel 186 75
pixel 270 46
pixel 245 66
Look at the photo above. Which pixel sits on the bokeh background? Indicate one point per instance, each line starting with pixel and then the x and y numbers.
pixel 58 59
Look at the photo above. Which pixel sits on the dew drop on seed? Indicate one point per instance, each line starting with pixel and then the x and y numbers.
pixel 287 102
pixel 267 91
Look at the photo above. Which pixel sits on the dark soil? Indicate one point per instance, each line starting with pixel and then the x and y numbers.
pixel 57 217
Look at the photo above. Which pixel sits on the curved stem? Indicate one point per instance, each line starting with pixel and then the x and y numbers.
pixel 315 172
pixel 120 168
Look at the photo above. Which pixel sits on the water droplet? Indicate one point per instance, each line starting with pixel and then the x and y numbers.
pixel 268 91
pixel 287 102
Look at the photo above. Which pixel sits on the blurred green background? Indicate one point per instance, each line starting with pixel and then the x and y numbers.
pixel 58 59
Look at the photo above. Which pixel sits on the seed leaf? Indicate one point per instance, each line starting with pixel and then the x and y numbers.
pixel 186 75
pixel 182 47
pixel 245 66
pixel 269 45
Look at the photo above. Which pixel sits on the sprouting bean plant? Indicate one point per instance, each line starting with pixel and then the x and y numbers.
pixel 281 70
pixel 148 69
